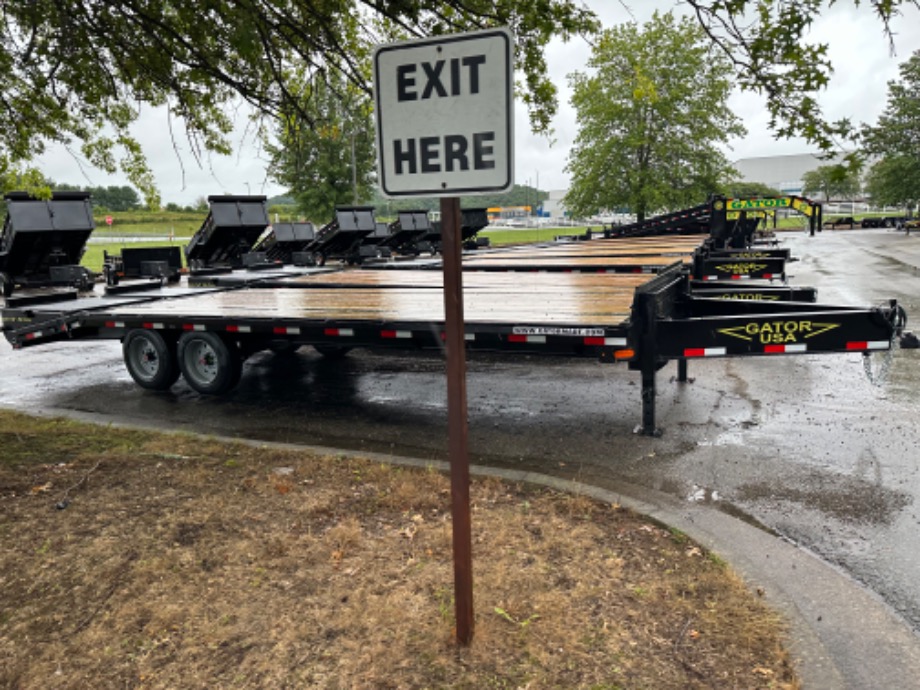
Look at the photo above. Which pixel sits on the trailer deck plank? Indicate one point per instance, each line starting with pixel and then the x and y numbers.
pixel 573 262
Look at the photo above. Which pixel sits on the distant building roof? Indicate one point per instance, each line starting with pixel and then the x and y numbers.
pixel 782 172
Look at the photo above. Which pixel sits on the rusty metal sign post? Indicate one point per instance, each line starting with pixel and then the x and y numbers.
pixel 445 128
pixel 457 430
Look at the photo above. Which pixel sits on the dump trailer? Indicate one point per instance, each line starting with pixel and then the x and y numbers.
pixel 342 237
pixel 151 263
pixel 288 243
pixel 406 232
pixel 43 241
pixel 233 225
pixel 472 220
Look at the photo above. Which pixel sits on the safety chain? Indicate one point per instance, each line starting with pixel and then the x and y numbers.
pixel 880 376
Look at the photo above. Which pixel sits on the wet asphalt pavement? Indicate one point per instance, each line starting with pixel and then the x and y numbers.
pixel 804 446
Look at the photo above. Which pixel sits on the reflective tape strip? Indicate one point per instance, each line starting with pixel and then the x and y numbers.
pixel 615 342
pixel 239 329
pixel 710 277
pixel 193 327
pixel 527 339
pixel 152 325
pixel 395 334
pixel 286 330
pixel 340 332
pixel 868 345
pixel 114 324
pixel 704 351
pixel 33 335
pixel 781 349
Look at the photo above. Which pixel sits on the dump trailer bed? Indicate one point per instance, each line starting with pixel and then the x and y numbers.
pixel 233 225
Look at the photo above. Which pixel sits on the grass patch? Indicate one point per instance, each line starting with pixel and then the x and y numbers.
pixel 138 559
pixel 499 238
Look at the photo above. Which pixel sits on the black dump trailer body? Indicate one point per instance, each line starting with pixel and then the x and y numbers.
pixel 406 232
pixel 231 229
pixel 43 240
pixel 156 263
pixel 472 220
pixel 342 238
pixel 288 243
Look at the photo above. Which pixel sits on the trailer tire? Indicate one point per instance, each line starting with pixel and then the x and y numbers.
pixel 210 365
pixel 150 359
pixel 332 351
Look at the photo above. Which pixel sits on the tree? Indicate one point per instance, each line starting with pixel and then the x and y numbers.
pixel 894 182
pixel 649 120
pixel 767 44
pixel 830 181
pixel 895 179
pixel 115 198
pixel 324 151
pixel 79 71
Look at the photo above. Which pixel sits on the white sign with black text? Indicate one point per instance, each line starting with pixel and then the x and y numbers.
pixel 444 114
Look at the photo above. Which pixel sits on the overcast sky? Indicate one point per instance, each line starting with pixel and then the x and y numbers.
pixel 858 90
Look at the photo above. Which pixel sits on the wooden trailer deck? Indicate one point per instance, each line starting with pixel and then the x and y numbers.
pixel 684 245
pixel 412 296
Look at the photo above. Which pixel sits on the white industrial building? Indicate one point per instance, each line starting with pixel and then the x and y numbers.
pixel 783 173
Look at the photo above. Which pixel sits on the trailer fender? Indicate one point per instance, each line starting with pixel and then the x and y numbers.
pixel 150 359
pixel 210 364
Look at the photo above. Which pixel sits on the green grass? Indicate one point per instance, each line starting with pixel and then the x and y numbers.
pixel 530 235
pixel 178 228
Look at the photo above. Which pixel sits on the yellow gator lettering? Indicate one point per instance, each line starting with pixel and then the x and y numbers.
pixel 758 204
pixel 752 296
pixel 778 332
pixel 740 268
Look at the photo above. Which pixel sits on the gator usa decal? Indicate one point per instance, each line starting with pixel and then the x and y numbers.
pixel 778 332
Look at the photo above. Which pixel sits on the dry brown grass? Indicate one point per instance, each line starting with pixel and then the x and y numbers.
pixel 133 559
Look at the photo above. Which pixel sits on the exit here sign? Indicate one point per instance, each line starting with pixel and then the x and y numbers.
pixel 445 115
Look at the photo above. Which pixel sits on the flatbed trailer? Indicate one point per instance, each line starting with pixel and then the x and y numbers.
pixel 205 327
pixel 204 334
